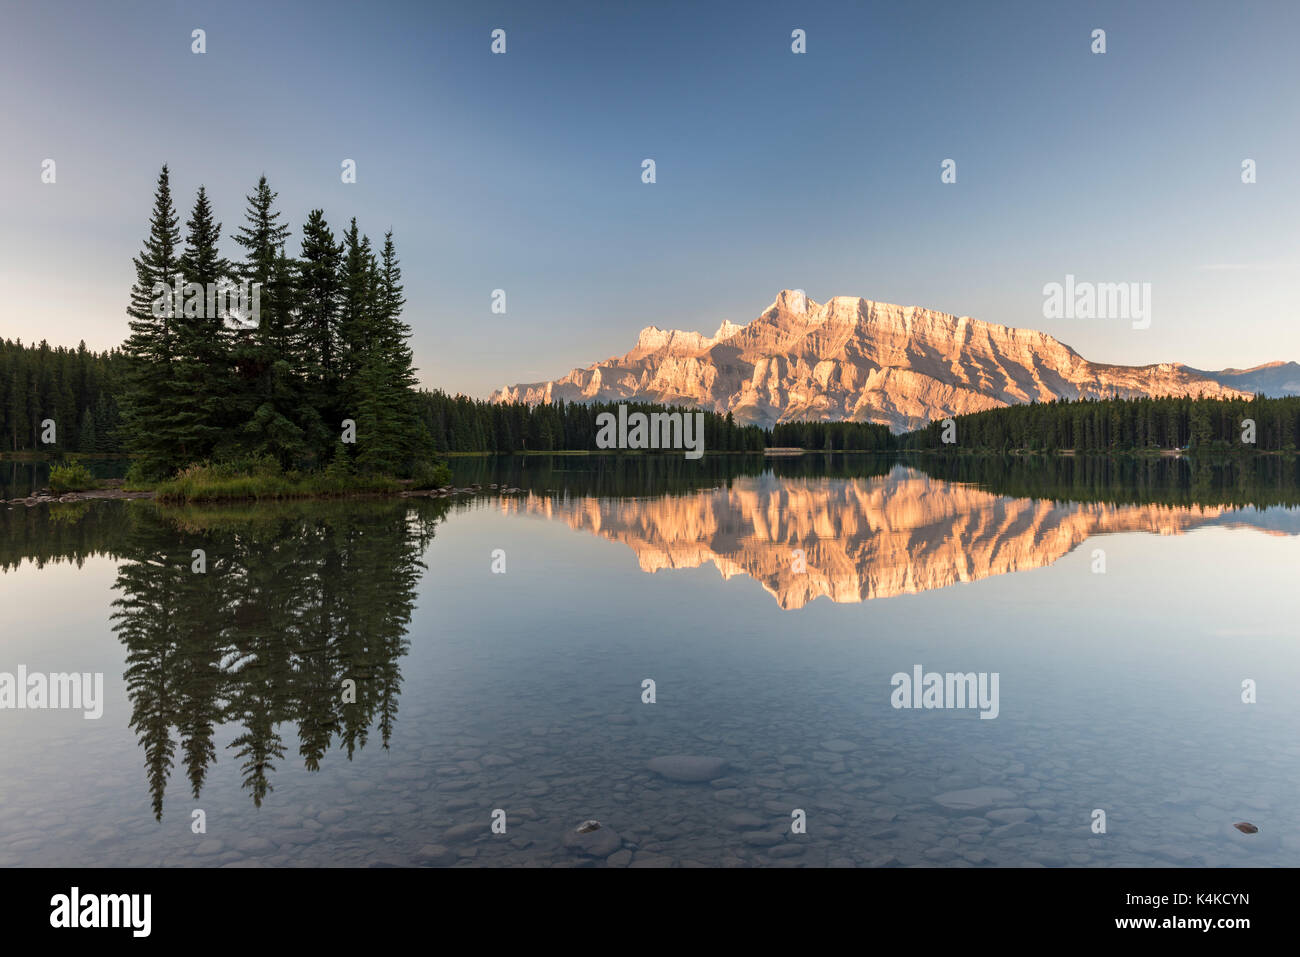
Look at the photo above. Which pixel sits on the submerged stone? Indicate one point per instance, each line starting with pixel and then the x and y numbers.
pixel 598 843
pixel 974 799
pixel 687 767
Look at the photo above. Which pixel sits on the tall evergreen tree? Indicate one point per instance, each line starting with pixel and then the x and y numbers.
pixel 356 279
pixel 148 397
pixel 200 372
pixel 17 407
pixel 87 438
pixel 269 398
pixel 320 293
pixel 390 434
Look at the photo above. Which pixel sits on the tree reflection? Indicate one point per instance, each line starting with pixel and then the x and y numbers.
pixel 296 604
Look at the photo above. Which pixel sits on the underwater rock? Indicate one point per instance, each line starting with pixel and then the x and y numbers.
pixel 599 843
pixel 687 767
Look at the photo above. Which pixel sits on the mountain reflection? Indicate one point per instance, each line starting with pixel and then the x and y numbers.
pixel 294 604
pixel 854 540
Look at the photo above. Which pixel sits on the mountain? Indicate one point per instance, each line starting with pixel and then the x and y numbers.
pixel 869 538
pixel 854 359
pixel 1271 379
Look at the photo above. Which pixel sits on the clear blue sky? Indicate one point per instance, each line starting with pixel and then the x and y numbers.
pixel 817 171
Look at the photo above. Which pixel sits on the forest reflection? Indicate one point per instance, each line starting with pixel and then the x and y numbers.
pixel 266 619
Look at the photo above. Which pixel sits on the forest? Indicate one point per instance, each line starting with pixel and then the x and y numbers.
pixel 461 424
pixel 1123 425
pixel 78 389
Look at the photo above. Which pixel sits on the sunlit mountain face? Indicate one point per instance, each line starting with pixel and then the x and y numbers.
pixel 857 539
pixel 850 358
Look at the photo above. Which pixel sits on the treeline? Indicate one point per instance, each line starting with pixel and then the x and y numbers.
pixel 268 355
pixel 833 436
pixel 1122 425
pixel 461 424
pixel 76 389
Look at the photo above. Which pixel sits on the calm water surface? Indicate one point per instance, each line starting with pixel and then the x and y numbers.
pixel 769 602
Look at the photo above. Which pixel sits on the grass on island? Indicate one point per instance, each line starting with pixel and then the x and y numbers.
pixel 71 477
pixel 263 480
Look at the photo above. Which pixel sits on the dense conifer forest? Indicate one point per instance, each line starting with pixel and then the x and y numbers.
pixel 76 388
pixel 1124 425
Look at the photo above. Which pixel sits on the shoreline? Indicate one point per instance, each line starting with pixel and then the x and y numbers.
pixel 118 494
pixel 112 489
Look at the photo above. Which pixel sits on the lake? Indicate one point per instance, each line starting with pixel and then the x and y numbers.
pixel 705 657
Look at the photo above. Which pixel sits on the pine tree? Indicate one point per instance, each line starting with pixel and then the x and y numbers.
pixel 390 434
pixel 87 440
pixel 269 398
pixel 147 397
pixel 17 406
pixel 355 280
pixel 319 299
pixel 201 371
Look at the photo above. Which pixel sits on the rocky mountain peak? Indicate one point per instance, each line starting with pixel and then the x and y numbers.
pixel 857 359
pixel 793 301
